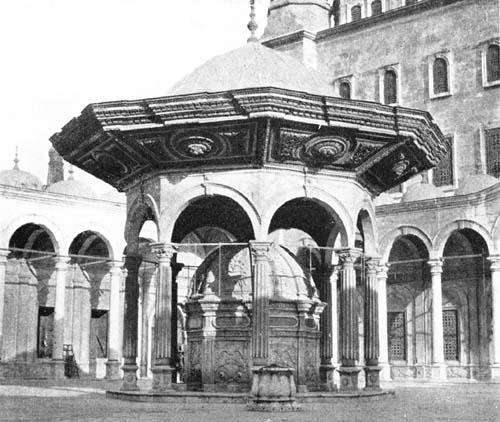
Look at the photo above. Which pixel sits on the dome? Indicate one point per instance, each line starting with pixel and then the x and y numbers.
pixel 72 187
pixel 421 192
pixel 475 183
pixel 288 280
pixel 112 195
pixel 252 66
pixel 20 179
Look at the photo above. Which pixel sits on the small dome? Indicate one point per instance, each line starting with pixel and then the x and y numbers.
pixel 113 195
pixel 421 192
pixel 252 66
pixel 475 183
pixel 72 187
pixel 20 179
pixel 288 280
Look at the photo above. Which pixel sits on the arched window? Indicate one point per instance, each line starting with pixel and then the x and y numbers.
pixel 493 63
pixel 345 90
pixel 356 13
pixel 376 7
pixel 440 76
pixel 390 87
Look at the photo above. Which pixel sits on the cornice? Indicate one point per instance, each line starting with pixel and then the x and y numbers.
pixel 289 38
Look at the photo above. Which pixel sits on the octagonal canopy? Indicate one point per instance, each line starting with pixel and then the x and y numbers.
pixel 252 66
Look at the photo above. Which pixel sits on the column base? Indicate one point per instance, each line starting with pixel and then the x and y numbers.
pixel 112 370
pixel 59 368
pixel 372 377
pixel 385 372
pixel 438 371
pixel 495 372
pixel 162 378
pixel 326 376
pixel 129 378
pixel 349 378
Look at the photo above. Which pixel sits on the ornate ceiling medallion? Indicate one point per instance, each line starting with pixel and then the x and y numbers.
pixel 197 145
pixel 324 149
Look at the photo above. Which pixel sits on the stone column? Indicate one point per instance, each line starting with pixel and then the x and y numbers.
pixel 130 323
pixel 113 363
pixel 349 341
pixel 329 329
pixel 260 305
pixel 59 316
pixel 495 303
pixel 371 330
pixel 383 356
pixel 162 363
pixel 3 270
pixel 438 370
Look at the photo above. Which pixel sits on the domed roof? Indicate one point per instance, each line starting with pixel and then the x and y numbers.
pixel 112 195
pixel 475 183
pixel 252 66
pixel 227 273
pixel 19 178
pixel 72 187
pixel 421 192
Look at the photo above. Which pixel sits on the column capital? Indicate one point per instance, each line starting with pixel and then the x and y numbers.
pixel 383 269
pixel 436 266
pixel 115 267
pixel 164 251
pixel 372 264
pixel 260 250
pixel 495 263
pixel 61 262
pixel 348 256
pixel 3 256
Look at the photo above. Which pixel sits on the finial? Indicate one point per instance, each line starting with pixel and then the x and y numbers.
pixel 71 171
pixel 252 25
pixel 16 159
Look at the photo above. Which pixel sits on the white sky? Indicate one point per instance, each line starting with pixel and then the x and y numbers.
pixel 57 56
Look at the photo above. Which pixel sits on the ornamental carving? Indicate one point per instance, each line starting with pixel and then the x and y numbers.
pixel 363 152
pixel 324 149
pixel 194 353
pixel 231 363
pixel 400 165
pixel 197 145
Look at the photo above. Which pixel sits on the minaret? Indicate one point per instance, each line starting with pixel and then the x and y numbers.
pixel 287 16
pixel 56 167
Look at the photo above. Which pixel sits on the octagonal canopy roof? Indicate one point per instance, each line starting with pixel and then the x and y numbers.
pixel 252 66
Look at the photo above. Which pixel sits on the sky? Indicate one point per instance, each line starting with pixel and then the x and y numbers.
pixel 57 56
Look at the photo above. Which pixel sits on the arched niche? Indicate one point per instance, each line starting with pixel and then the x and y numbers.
pixel 365 238
pixel 214 211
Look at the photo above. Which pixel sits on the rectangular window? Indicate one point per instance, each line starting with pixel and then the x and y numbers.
pixel 450 334
pixel 443 173
pixel 396 326
pixel 98 334
pixel 492 140
pixel 45 332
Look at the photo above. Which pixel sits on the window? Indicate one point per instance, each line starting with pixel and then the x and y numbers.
pixel 396 326
pixel 450 334
pixel 345 90
pixel 376 7
pixel 98 344
pixel 492 141
pixel 442 174
pixel 410 2
pixel 390 87
pixel 45 332
pixel 493 63
pixel 356 13
pixel 440 76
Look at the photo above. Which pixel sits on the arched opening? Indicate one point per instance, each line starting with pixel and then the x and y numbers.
pixel 493 63
pixel 390 87
pixel 356 13
pixel 467 303
pixel 376 7
pixel 345 90
pixel 29 295
pixel 408 309
pixel 440 76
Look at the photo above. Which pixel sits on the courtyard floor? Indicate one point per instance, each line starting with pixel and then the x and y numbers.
pixel 78 400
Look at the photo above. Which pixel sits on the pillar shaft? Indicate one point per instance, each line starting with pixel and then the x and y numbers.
pixel 495 299
pixel 3 269
pixel 260 306
pixel 371 330
pixel 382 315
pixel 328 319
pixel 436 267
pixel 59 309
pixel 115 274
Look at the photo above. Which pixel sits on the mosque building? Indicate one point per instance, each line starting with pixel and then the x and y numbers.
pixel 326 199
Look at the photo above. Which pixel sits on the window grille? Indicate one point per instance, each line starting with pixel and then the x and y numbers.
pixel 397 335
pixel 376 7
pixel 492 137
pixel 390 87
pixel 450 334
pixel 356 13
pixel 440 76
pixel 493 63
pixel 345 90
pixel 443 172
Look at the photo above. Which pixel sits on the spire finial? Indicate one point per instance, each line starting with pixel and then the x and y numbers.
pixel 71 170
pixel 16 159
pixel 252 25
